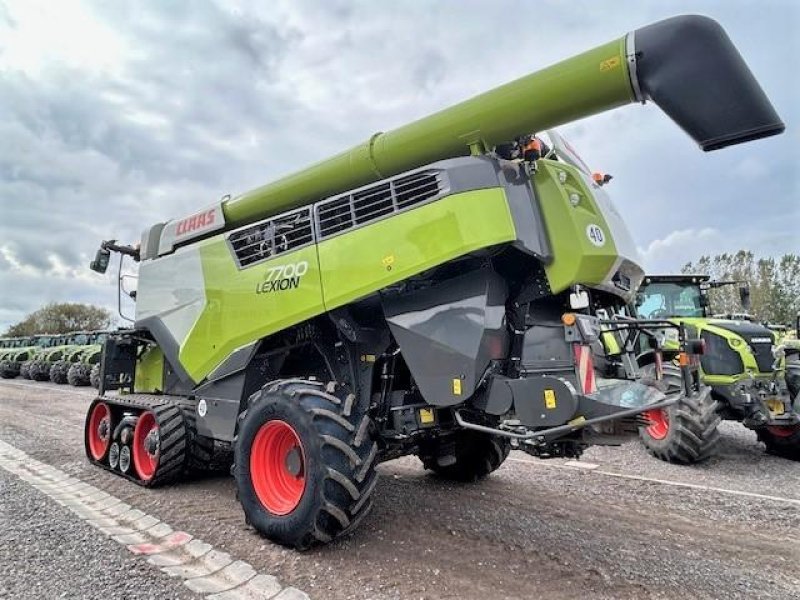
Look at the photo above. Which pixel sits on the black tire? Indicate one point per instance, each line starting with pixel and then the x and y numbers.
pixel 78 375
pixel 691 434
pixel 472 456
pixel 58 372
pixel 94 376
pixel 6 371
pixel 25 369
pixel 781 441
pixel 340 453
pixel 40 370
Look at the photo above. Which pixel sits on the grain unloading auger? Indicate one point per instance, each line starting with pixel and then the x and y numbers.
pixel 433 291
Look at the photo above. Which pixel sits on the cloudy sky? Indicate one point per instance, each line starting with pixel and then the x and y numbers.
pixel 116 115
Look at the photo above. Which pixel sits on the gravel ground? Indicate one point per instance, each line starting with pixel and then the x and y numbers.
pixel 47 552
pixel 534 528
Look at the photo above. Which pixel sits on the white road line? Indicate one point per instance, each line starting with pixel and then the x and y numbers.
pixel 695 486
pixel 203 569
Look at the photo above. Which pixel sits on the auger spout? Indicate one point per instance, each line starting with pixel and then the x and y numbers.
pixel 687 65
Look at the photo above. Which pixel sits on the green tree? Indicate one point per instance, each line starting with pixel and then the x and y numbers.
pixel 774 284
pixel 62 318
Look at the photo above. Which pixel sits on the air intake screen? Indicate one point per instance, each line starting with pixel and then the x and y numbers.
pixel 371 203
pixel 271 238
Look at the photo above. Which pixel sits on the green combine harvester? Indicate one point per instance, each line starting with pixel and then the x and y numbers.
pixel 753 378
pixel 434 291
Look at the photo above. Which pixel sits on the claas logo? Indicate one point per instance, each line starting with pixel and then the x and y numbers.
pixel 195 222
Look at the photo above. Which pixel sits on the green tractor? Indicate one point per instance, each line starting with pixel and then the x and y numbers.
pixel 45 357
pixel 71 354
pixel 742 364
pixel 435 291
pixel 16 360
pixel 84 365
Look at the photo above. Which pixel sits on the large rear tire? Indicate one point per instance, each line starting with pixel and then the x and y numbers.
pixel 304 463
pixel 781 441
pixel 58 372
pixel 94 376
pixel 6 371
pixel 40 370
pixel 25 369
pixel 467 456
pixel 78 375
pixel 686 432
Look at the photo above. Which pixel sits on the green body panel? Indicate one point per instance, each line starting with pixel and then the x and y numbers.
pixel 237 313
pixel 736 343
pixel 356 263
pixel 367 259
pixel 149 377
pixel 576 259
pixel 589 83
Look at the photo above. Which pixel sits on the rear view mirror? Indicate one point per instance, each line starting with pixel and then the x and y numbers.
pixel 744 297
pixel 100 262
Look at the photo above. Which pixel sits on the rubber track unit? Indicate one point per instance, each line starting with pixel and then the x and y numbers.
pixel 475 456
pixel 692 436
pixel 173 434
pixel 340 453
pixel 204 454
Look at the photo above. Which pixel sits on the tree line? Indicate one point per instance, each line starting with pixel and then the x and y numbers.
pixel 774 284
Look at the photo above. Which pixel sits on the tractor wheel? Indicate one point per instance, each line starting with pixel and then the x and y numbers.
pixel 6 372
pixel 25 369
pixel 781 441
pixel 686 432
pixel 78 374
pixel 40 370
pixel 472 456
pixel 94 376
pixel 304 463
pixel 160 445
pixel 58 372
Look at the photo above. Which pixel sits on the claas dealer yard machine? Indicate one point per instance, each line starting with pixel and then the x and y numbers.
pixel 753 377
pixel 433 291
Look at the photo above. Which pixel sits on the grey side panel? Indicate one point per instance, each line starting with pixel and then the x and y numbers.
pixel 525 211
pixel 450 331
pixel 223 401
pixel 237 361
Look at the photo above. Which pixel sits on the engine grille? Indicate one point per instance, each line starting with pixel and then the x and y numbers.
pixel 374 202
pixel 719 358
pixel 273 237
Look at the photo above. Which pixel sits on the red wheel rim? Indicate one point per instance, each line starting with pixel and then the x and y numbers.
pixel 99 430
pixel 659 423
pixel 145 461
pixel 278 467
pixel 783 431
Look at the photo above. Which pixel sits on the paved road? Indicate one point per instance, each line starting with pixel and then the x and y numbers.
pixel 533 529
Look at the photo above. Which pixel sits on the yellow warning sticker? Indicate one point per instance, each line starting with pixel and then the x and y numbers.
pixel 609 63
pixel 456 386
pixel 426 416
pixel 549 398
pixel 369 358
pixel 577 420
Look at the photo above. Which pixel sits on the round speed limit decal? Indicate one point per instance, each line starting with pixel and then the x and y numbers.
pixel 596 235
